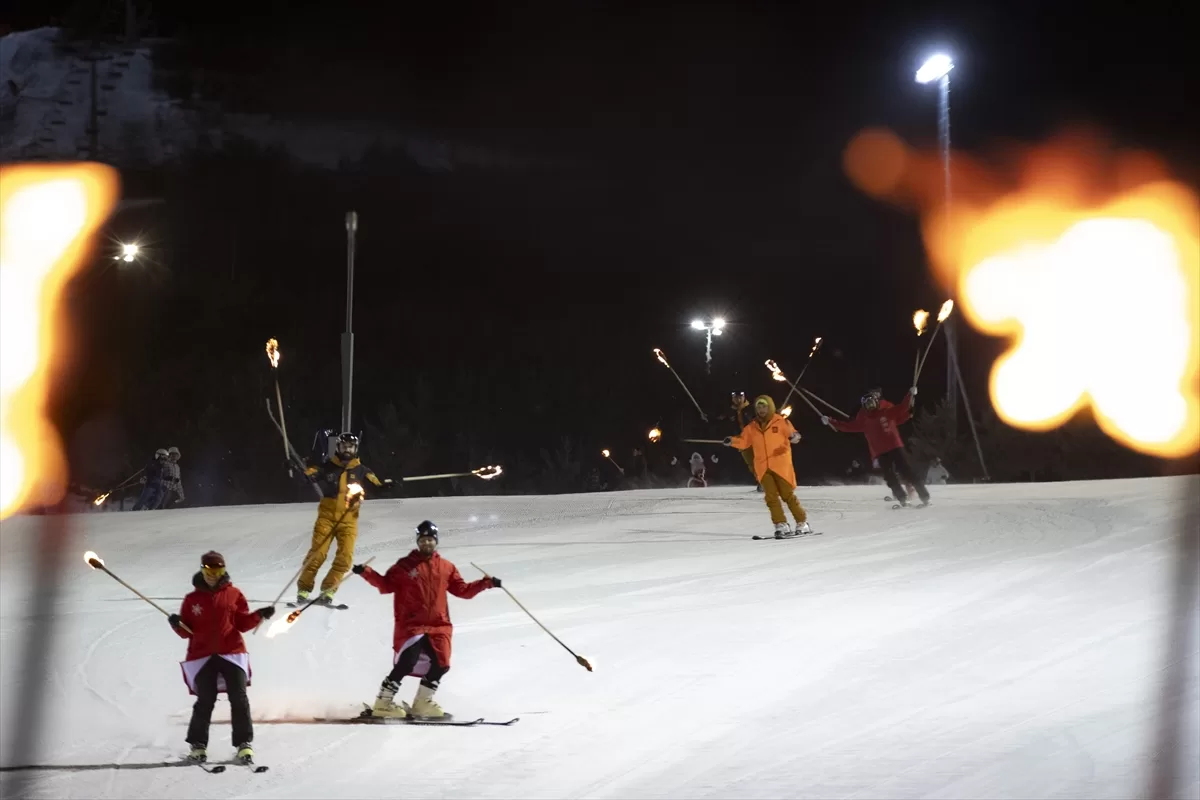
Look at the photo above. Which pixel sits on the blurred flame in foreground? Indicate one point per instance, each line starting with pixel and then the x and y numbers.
pixel 279 626
pixel 47 215
pixel 1088 259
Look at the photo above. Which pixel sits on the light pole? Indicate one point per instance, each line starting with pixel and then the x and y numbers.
pixel 937 68
pixel 348 336
pixel 710 329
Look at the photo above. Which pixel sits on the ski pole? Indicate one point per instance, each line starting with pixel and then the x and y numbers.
pixel 95 562
pixel 704 441
pixel 824 402
pixel 583 662
pixel 352 501
pixel 292 617
pixel 486 473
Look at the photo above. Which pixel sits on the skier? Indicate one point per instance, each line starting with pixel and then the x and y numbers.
pixel 155 474
pixel 421 637
pixel 770 435
pixel 696 462
pixel 880 424
pixel 336 518
pixel 172 485
pixel 217 615
pixel 937 474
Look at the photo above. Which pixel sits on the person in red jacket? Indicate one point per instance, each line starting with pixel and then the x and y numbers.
pixel 880 422
pixel 213 618
pixel 421 637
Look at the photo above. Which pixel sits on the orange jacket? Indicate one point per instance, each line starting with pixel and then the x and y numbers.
pixel 771 444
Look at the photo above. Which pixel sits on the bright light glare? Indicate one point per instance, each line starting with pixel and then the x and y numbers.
pixel 936 67
pixel 128 253
pixel 718 323
pixel 697 324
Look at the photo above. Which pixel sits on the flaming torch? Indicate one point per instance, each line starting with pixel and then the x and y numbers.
pixel 659 354
pixel 785 412
pixel 920 320
pixel 96 562
pixel 47 215
pixel 654 435
pixel 608 454
pixel 484 473
pixel 273 357
pixel 947 308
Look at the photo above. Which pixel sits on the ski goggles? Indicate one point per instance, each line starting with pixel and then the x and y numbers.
pixel 213 570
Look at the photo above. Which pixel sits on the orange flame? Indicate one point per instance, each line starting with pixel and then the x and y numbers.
pixel 280 626
pixel 659 354
pixel 776 372
pixel 1059 252
pixel 816 346
pixel 273 353
pixel 89 557
pixel 920 320
pixel 47 215
pixel 654 435
pixel 99 501
pixel 947 307
pixel 606 453
pixel 487 473
pixel 354 494
pixel 785 412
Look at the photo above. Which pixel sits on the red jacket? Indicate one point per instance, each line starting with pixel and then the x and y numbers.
pixel 419 586
pixel 880 426
pixel 217 616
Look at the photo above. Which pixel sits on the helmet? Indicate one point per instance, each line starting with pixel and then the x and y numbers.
pixel 347 445
pixel 870 400
pixel 427 528
pixel 161 453
pixel 173 451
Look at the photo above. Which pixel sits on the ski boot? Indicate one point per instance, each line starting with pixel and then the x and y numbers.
pixel 199 754
pixel 326 599
pixel 425 707
pixel 245 753
pixel 782 531
pixel 301 597
pixel 802 529
pixel 385 704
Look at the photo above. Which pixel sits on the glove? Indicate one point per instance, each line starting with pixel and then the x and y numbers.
pixel 495 582
pixel 727 441
pixel 674 461
pixel 824 420
pixel 174 620
pixel 266 612
pixel 357 569
pixel 143 480
pixel 713 458
pixel 388 483
pixel 794 438
pixel 913 391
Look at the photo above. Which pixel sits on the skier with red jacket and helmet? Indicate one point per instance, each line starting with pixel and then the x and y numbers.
pixel 213 618
pixel 419 583
pixel 879 421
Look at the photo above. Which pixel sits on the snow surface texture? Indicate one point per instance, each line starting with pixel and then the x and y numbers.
pixel 1005 643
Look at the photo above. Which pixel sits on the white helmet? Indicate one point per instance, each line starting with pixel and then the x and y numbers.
pixel 160 452
pixel 173 451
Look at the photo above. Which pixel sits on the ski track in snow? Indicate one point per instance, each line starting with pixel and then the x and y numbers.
pixel 1005 643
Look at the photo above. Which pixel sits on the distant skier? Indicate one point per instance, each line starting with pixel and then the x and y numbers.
pixel 880 424
pixel 422 633
pixel 696 463
pixel 937 474
pixel 217 661
pixel 154 477
pixel 172 484
pixel 334 478
pixel 770 436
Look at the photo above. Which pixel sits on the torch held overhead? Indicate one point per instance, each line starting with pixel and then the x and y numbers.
pixel 661 357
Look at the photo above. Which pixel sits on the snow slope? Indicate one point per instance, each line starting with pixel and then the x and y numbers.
pixel 1005 643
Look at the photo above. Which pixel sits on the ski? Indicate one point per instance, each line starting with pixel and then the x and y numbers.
pixel 338 607
pixel 249 764
pixel 786 538
pixel 430 723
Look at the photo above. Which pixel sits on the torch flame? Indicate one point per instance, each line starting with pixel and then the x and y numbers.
pixel 89 557
pixel 354 494
pixel 661 357
pixel 47 214
pixel 947 307
pixel 785 412
pixel 1059 252
pixel 99 501
pixel 487 473
pixel 279 626
pixel 606 453
pixel 273 352
pixel 920 320
pixel 816 346
pixel 654 435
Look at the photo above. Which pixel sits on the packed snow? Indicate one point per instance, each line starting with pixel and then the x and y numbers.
pixel 1005 643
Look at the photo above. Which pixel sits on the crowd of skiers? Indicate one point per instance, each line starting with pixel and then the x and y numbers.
pixel 162 486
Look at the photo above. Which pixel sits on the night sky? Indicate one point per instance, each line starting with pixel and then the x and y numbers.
pixel 688 164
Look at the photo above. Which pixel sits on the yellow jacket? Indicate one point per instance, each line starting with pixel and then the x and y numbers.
pixel 771 443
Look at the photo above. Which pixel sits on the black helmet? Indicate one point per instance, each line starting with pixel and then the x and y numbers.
pixel 870 400
pixel 427 528
pixel 347 445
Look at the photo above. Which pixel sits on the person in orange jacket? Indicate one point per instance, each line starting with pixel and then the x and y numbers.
pixel 771 436
pixel 739 407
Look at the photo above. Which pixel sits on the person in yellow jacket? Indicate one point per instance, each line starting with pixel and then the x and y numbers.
pixel 770 436
pixel 333 478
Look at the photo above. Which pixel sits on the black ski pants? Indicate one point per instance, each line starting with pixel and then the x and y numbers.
pixel 206 698
pixel 408 660
pixel 895 465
